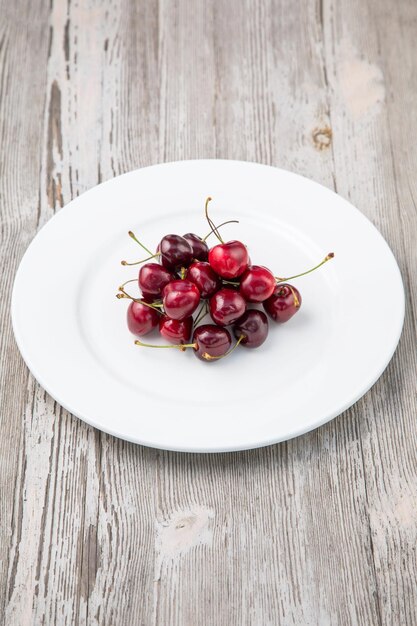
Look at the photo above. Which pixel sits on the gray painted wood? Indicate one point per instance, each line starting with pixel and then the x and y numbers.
pixel 318 530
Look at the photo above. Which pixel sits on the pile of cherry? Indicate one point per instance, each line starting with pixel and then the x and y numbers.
pixel 221 281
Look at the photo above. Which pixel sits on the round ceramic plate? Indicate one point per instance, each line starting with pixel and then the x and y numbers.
pixel 72 333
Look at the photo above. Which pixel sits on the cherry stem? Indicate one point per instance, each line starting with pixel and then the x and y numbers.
pixel 219 226
pixel 230 282
pixel 133 280
pixel 201 315
pixel 143 260
pixel 295 298
pixel 133 236
pixel 210 221
pixel 183 272
pixel 181 346
pixel 208 357
pixel 124 294
pixel 327 258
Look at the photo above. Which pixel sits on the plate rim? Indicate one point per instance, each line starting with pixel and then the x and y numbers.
pixel 200 449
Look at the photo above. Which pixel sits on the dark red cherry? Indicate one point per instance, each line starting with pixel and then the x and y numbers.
pixel 253 327
pixel 199 247
pixel 211 341
pixel 204 278
pixel 176 252
pixel 180 299
pixel 226 306
pixel 153 278
pixel 176 331
pixel 284 303
pixel 229 260
pixel 257 284
pixel 141 319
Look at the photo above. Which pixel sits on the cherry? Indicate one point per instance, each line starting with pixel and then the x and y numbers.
pixel 175 251
pixel 257 284
pixel 284 303
pixel 230 259
pixel 226 306
pixel 153 278
pixel 141 319
pixel 252 327
pixel 176 331
pixel 180 299
pixel 204 278
pixel 211 342
pixel 286 299
pixel 199 247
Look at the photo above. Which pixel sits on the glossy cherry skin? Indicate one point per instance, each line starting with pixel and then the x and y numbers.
pixel 180 299
pixel 229 260
pixel 176 331
pixel 257 284
pixel 141 319
pixel 153 278
pixel 226 306
pixel 284 303
pixel 253 326
pixel 211 341
pixel 199 247
pixel 204 278
pixel 176 252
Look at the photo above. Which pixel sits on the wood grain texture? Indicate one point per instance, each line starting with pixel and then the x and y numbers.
pixel 318 530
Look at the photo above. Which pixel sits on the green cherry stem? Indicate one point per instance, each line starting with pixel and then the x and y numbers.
pixel 210 221
pixel 181 346
pixel 124 294
pixel 294 295
pixel 219 226
pixel 201 314
pixel 133 280
pixel 208 357
pixel 133 236
pixel 327 258
pixel 197 317
pixel 143 260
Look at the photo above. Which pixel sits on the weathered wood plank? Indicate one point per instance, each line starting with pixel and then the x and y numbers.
pixel 71 535
pixel 23 50
pixel 370 51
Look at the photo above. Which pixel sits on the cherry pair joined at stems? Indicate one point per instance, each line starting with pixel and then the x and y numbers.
pixel 179 331
pixel 210 343
pixel 174 250
pixel 177 252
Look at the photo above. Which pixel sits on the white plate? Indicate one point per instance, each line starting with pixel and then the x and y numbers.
pixel 71 329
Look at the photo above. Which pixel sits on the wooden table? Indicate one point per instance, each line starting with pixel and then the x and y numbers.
pixel 320 530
